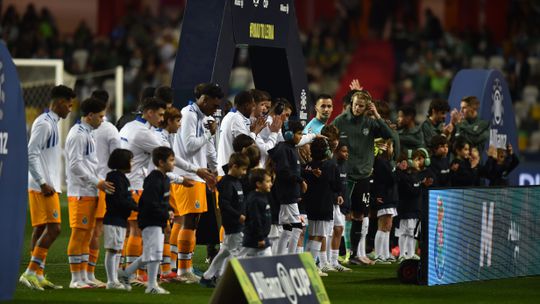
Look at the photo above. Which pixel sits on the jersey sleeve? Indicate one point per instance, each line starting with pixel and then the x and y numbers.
pixel 38 139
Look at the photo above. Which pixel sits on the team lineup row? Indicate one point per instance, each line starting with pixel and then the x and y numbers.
pixel 332 174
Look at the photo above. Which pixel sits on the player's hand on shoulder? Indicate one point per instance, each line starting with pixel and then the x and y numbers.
pixel 106 186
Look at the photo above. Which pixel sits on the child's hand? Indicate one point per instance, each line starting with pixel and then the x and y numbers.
pixel 188 183
pixel 171 216
pixel 492 152
pixel 303 186
pixel 317 172
pixel 355 85
pixel 454 167
pixel 242 219
pixel 428 181
pixel 379 200
pixel 340 200
pixel 261 244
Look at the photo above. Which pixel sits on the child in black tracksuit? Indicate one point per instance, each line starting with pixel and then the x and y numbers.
pixel 342 155
pixel 385 198
pixel 258 216
pixel 288 186
pixel 322 177
pixel 154 211
pixel 119 206
pixel 410 199
pixel 499 164
pixel 461 173
pixel 233 210
pixel 440 165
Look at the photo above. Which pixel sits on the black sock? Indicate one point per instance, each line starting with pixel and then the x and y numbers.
pixel 342 249
pixel 356 230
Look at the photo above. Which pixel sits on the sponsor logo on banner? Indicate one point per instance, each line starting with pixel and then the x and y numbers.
pixel 486 236
pixel 239 3
pixel 497 109
pixel 497 112
pixel 289 283
pixel 439 245
pixel 284 8
pixel 303 107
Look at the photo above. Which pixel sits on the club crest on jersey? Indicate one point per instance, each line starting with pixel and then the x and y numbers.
pixel 85 220
pixel 55 214
pixel 365 131
pixel 197 204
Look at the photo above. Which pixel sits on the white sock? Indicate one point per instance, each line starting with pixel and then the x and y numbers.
pixel 118 259
pixel 293 242
pixel 386 245
pixel 90 276
pixel 314 248
pixel 217 263
pixel 76 276
pixel 174 250
pixel 402 246
pixel 328 248
pixel 379 251
pixel 134 266
pixel 284 241
pixel 412 246
pixel 84 276
pixel 323 258
pixel 274 245
pixel 361 250
pixel 152 268
pixel 110 266
pixel 334 254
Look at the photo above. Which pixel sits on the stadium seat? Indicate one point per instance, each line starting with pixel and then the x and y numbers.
pixel 478 62
pixel 534 63
pixel 530 94
pixel 496 62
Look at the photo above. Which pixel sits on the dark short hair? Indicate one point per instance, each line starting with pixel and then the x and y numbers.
pixel 341 144
pixel 254 155
pixel 170 113
pixel 165 93
pixel 293 126
pixel 471 101
pixel 120 159
pixel 459 143
pixel 238 159
pixel 437 141
pixel 409 111
pixel 101 94
pixel 318 149
pixel 242 98
pixel 438 105
pixel 242 141
pixel 257 175
pixel 153 103
pixel 281 100
pixel 330 131
pixel 161 153
pixel 211 90
pixel 322 96
pixel 92 105
pixel 383 108
pixel 62 92
pixel 260 95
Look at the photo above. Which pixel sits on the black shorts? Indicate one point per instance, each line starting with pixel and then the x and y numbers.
pixel 360 196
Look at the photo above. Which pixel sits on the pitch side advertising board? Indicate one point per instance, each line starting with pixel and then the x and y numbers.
pixel 482 234
pixel 290 279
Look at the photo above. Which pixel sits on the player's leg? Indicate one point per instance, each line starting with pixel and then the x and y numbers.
pixel 114 237
pixel 95 241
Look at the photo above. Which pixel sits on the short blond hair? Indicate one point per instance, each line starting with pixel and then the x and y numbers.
pixel 362 95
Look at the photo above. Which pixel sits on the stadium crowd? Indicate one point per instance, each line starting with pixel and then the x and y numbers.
pixel 427 57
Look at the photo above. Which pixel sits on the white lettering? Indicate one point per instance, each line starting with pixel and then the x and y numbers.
pixel 486 236
pixel 513 236
pixel 526 179
pixel 496 139
pixel 3 142
pixel 290 284
pixel 239 3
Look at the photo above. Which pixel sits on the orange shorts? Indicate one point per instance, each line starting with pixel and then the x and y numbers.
pixel 82 211
pixel 44 209
pixel 136 195
pixel 172 198
pixel 191 200
pixel 101 205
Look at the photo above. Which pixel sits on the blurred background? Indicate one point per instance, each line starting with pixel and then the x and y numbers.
pixel 405 52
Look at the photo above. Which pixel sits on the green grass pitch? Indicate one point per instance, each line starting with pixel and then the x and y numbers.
pixel 375 284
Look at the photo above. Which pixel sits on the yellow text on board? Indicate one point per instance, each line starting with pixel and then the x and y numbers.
pixel 261 31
